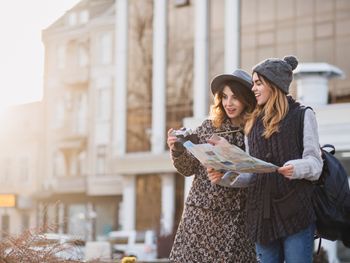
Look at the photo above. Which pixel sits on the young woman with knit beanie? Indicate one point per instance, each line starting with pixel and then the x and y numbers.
pixel 212 225
pixel 280 216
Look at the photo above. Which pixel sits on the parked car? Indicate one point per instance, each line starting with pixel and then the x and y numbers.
pixel 141 244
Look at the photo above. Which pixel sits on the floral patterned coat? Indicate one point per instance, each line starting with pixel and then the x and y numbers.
pixel 212 227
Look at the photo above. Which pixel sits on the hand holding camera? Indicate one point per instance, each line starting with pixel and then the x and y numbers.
pixel 176 138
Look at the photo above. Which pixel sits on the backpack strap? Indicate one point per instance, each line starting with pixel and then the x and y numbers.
pixel 301 133
pixel 330 146
pixel 301 148
pixel 301 128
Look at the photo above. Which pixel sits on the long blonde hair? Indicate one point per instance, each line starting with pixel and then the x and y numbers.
pixel 272 112
pixel 217 113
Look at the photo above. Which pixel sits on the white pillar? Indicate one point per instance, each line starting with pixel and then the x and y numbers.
pixel 168 203
pixel 200 71
pixel 129 203
pixel 159 76
pixel 313 90
pixel 201 58
pixel 232 35
pixel 120 83
pixel 40 213
pixel 190 123
pixel 61 218
pixel 312 82
pixel 89 221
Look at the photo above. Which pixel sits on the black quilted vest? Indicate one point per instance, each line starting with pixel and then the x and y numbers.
pixel 278 207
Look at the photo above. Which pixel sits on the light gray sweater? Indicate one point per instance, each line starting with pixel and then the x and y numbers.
pixel 310 166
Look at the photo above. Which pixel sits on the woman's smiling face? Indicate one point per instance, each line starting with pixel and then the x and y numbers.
pixel 261 89
pixel 233 107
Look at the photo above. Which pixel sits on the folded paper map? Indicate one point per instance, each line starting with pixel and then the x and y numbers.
pixel 237 165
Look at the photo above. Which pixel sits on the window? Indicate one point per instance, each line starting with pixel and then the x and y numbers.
pixel 57 121
pixel 68 101
pixel 179 3
pixel 82 113
pixel 72 19
pixel 83 58
pixel 25 221
pixel 103 104
pixel 7 170
pixel 101 159
pixel 83 17
pixel 82 159
pixel 61 57
pixel 73 165
pixel 77 221
pixel 5 225
pixel 105 49
pixel 59 164
pixel 24 169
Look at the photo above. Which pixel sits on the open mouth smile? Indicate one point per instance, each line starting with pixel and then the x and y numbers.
pixel 231 111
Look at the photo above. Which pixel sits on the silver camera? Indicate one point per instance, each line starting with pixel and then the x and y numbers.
pixel 185 134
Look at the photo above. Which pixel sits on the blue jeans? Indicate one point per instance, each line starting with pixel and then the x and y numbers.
pixel 296 248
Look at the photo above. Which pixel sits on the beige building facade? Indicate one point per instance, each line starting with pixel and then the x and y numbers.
pixel 80 192
pixel 120 73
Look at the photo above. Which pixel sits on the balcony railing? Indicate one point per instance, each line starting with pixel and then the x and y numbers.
pixel 72 130
pixel 69 184
pixel 105 184
pixel 75 77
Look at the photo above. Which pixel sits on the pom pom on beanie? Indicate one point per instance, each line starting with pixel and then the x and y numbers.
pixel 292 61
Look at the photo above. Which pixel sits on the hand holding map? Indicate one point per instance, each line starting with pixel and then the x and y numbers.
pixel 230 159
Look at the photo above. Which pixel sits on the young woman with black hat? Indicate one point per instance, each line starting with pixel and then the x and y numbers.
pixel 212 224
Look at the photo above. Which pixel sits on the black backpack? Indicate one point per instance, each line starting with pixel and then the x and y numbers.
pixel 331 196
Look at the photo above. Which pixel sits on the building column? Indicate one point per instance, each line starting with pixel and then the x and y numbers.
pixel 40 215
pixel 128 206
pixel 61 218
pixel 90 221
pixel 168 203
pixel 201 59
pixel 159 70
pixel 200 71
pixel 120 82
pixel 232 35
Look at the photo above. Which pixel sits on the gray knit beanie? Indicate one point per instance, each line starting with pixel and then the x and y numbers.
pixel 278 71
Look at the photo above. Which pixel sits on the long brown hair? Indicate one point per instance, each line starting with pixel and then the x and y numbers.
pixel 272 112
pixel 243 94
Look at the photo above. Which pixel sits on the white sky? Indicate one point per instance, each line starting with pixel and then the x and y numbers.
pixel 21 48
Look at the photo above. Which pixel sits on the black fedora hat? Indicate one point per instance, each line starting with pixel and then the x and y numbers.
pixel 238 75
